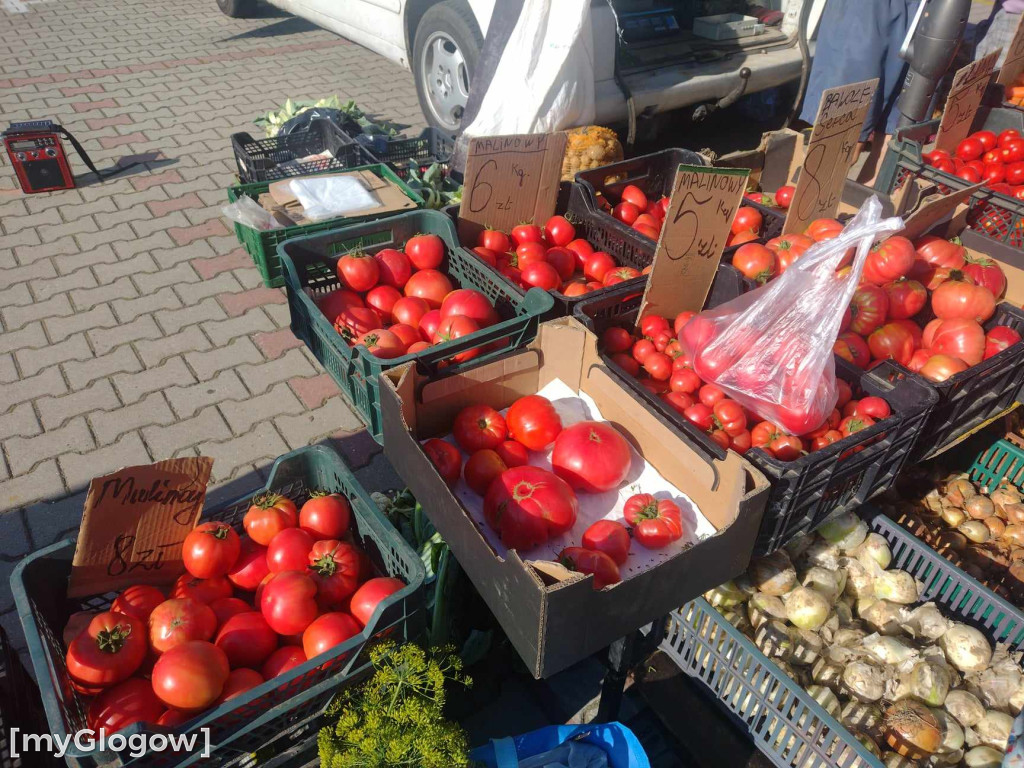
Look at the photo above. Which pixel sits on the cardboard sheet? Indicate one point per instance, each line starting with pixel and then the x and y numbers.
pixel 574 407
pixel 280 198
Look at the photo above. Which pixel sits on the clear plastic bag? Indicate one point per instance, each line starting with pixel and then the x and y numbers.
pixel 771 349
pixel 249 213
pixel 328 197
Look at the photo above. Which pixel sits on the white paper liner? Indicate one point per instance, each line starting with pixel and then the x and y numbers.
pixel 574 407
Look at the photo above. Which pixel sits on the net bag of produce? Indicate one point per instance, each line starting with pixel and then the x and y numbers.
pixel 771 349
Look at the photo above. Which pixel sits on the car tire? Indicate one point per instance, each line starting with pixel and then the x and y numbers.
pixel 237 9
pixel 445 54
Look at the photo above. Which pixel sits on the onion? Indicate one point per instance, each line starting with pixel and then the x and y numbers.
pixel 798 545
pixel 952 516
pixel 773 640
pixel 974 530
pixel 874 549
pixel 966 648
pixel 896 587
pixel 1004 496
pixel 864 680
pixel 763 607
pixel 822 553
pixel 861 716
pixel 824 581
pixel 827 672
pixel 932 501
pixel 996 526
pixel 860 581
pixel 983 757
pixel 725 595
pixel 950 542
pixel 965 707
pixel 979 507
pixel 959 490
pixel 926 622
pixel 911 729
pixel 773 574
pixel 894 760
pixel 825 697
pixel 884 617
pixel 806 646
pixel 848 637
pixel 994 729
pixel 1014 513
pixel 887 649
pixel 1015 533
pixel 996 684
pixel 929 681
pixel 806 608
pixel 868 743
pixel 843 613
pixel 952 733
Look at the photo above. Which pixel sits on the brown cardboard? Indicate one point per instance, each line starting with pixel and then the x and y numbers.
pixel 1013 64
pixel 931 210
pixel 509 180
pixel 700 212
pixel 773 164
pixel 390 196
pixel 134 522
pixel 554 619
pixel 969 85
pixel 830 153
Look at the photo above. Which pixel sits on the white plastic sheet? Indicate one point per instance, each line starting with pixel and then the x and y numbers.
pixel 331 196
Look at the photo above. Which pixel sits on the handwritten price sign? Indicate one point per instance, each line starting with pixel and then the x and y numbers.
pixel 509 180
pixel 830 152
pixel 965 95
pixel 134 523
pixel 698 220
pixel 1013 64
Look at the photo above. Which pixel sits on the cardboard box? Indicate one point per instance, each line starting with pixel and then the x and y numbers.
pixel 553 617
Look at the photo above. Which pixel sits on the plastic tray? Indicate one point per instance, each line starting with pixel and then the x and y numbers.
pixel 263 159
pixel 431 146
pixel 997 216
pixel 262 245
pixel 809 489
pixel 309 267
pixel 786 724
pixel 1002 460
pixel 255 718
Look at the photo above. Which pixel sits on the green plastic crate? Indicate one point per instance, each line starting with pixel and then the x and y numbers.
pixel 309 270
pixel 262 244
pixel 1002 460
pixel 249 722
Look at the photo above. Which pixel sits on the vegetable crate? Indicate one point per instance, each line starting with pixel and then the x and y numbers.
pixel 20 708
pixel 246 723
pixel 310 273
pixel 1002 459
pixel 262 244
pixel 431 146
pixel 997 216
pixel 654 174
pixel 783 720
pixel 804 492
pixel 281 156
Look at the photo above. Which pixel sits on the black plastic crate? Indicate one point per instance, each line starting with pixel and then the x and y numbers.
pixel 431 146
pixel 275 158
pixel 807 490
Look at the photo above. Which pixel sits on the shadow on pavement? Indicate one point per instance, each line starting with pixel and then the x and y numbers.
pixel 287 26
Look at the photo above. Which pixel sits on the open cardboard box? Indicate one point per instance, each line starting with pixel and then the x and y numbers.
pixel 554 617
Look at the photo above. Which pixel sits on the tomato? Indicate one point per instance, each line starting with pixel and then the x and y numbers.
pixel 1007 136
pixel 179 620
pixel 619 275
pixel 747 219
pixel 711 395
pixel 268 516
pixel 823 229
pixel 986 272
pixel 681 320
pixel 999 338
pixel 563 260
pixel 226 607
pixel 494 240
pixel 970 175
pixel 108 651
pixel 656 523
pixel 869 308
pixel 729 417
pixel 678 401
pixel 872 406
pixel 773 440
pixel 328 631
pixel 591 562
pixel 429 324
pixel 288 602
pixel 591 456
pixel 406 334
pixel 527 233
pixel 280 661
pixel 970 149
pixel 558 231
pixel 784 196
pixel 685 380
pixel 325 515
pixel 289 550
pixel 627 363
pixel 481 469
pixel 409 310
pixel 530 253
pixel 994 173
pixel 893 342
pixel 825 439
pixel 393 267
pixel 755 262
pixel 382 299
pixel 246 639
pixel 581 250
pixel 740 238
pixel 598 265
pixel 457 327
pixel 787 249
pixel 353 322
pixel 487 256
pixel 479 426
pixel 335 569
pixel 334 302
pixel 658 365
pixel 128 702
pixel 958 337
pixel 941 367
pixel 210 549
pixel 358 271
pixel 633 194
pixel 139 601
pixel 202 590
pixel 382 344
pixel 430 285
pixel 906 298
pixel 945 166
pixel 371 594
pixel 239 681
pixel 889 260
pixel 959 298
pixel 190 676
pixel 915 330
pixel 541 275
pixel 853 424
pixel 527 505
pixel 1014 172
pixel 616 339
pixel 513 454
pixel 700 415
pixel 919 358
pixel 446 459
pixel 533 421
pixel 609 537
pixel 426 252
pixel 845 393
pixel 626 212
pixel 987 138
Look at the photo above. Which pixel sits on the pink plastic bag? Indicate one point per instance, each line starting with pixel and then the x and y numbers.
pixel 771 349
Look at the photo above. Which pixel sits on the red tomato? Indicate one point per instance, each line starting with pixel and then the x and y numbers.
pixel 353 322
pixel 875 407
pixel 280 661
pixel 788 248
pixel 889 260
pixel 1007 136
pixel 394 267
pixel 178 621
pixel 190 676
pixel 288 602
pixel 408 310
pixel 747 220
pixel 334 302
pixel 138 601
pixel 494 240
pixel 994 173
pixel 960 298
pixel 656 523
pixel 481 469
pixel 563 260
pixel 915 330
pixel 226 607
pixel 371 594
pixel 269 515
pixel 626 212
pixel 456 327
pixel 825 439
pixel 728 416
pixel 633 194
pixel 710 395
pixel 755 262
pixel 823 229
pixel 479 426
pixel 680 321
pixel 906 298
pixel 335 569
pixel 469 303
pixel 986 272
pixel 626 363
pixel 784 196
pixel 596 563
pixel 202 590
pixel 246 639
pixel 946 166
pixel 591 456
pixel 534 422
pixel 382 344
pixel 289 550
pixel 527 233
pixel 658 365
pixel 530 253
pixel 328 631
pixel 958 337
pixel 740 238
pixel 446 459
pixel 429 324
pixel 239 681
pixel 892 342
pixel 527 505
pixel 678 401
pixel 609 537
pixel 999 338
pixel 487 255
pixel 616 339
pixel 684 380
pixel 619 275
pixel 970 149
pixel 128 702
pixel 430 285
pixel 210 549
pixel 987 138
pixel 1014 172
pixel 326 515
pixel 110 649
pixel 970 175
pixel 427 252
pixel 540 274
pixel 853 424
pixel 383 298
pixel 514 454
pixel 869 308
pixel 358 271
pixel 598 265
pixel 700 415
pixel 558 231
pixel 940 367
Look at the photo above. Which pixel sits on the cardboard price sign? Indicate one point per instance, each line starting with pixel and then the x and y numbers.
pixel 829 154
pixel 1013 64
pixel 509 180
pixel 965 95
pixel 698 220
pixel 134 523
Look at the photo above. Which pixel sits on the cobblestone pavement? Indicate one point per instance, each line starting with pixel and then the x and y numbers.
pixel 132 326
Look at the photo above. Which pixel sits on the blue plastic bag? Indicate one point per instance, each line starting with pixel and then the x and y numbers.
pixel 623 748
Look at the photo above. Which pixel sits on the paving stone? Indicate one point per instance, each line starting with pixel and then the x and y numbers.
pixel 31 361
pixel 222 331
pixel 20 421
pixel 121 360
pixel 150 410
pixel 273 344
pixel 211 267
pixel 237 303
pixel 23 453
pixel 190 339
pixel 108 273
pixel 36 271
pixel 241 415
pixel 88 241
pixel 29 336
pixel 168 442
pixel 194 292
pixel 262 443
pixel 19 295
pixel 239 351
pixel 86 298
pixel 44 289
pixel 224 386
pixel 48 382
pixel 72 262
pixel 44 481
pixel 173 320
pixel 54 411
pixel 26 254
pixel 132 386
pixel 105 339
pixel 80 469
pixel 128 309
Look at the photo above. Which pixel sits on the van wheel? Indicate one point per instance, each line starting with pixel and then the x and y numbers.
pixel 445 54
pixel 237 9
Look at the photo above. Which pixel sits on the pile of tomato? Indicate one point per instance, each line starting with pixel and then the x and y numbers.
pixel 248 609
pixel 761 262
pixel 997 160
pixel 527 505
pixel 397 302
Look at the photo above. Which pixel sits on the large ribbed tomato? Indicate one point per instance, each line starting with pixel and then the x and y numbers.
pixel 957 297
pixel 528 505
pixel 131 701
pixel 906 298
pixel 471 304
pixel 940 252
pixel 891 342
pixel 986 272
pixel 869 308
pixel 998 339
pixel 958 337
pixel 109 650
pixel 889 260
pixel 140 600
pixel 334 566
pixel 479 426
pixel 656 523
pixel 940 367
pixel 591 456
pixel 430 285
